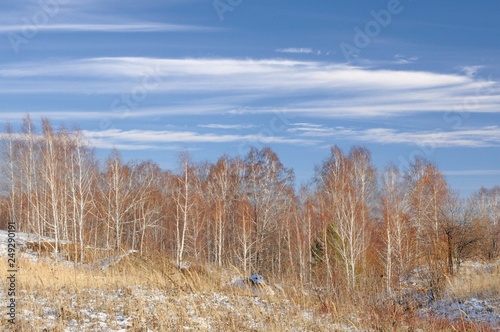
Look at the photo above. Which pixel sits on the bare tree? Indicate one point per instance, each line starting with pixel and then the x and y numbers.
pixel 345 184
pixel 394 207
pixel 223 189
pixel 267 185
pixel 31 165
pixel 9 170
pixel 429 194
pixel 52 178
pixel 485 206
pixel 305 232
pixel 149 201
pixel 82 181
pixel 120 198
pixel 185 203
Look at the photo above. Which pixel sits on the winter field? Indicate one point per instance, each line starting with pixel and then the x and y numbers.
pixel 132 293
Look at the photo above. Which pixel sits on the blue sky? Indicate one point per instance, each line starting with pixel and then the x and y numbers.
pixel 152 78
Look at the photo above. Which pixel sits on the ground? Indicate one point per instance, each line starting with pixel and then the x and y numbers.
pixel 150 294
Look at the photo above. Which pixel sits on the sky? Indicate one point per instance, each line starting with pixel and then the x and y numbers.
pixel 212 77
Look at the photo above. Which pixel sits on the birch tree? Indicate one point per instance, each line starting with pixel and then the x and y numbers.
pixel 31 165
pixel 267 185
pixel 120 198
pixel 394 207
pixel 344 184
pixel 52 171
pixel 222 190
pixel 184 198
pixel 9 170
pixel 428 196
pixel 82 180
pixel 485 206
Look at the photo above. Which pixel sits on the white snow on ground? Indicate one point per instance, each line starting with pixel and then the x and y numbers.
pixel 21 251
pixel 477 307
pixel 21 239
pixel 486 311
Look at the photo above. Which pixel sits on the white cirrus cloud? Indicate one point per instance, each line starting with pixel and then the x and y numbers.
pixel 128 27
pixel 488 136
pixel 260 85
pixel 305 50
pixel 401 59
pixel 149 139
pixel 478 172
pixel 227 126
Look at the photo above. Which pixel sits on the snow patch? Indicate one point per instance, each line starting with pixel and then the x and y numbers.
pixel 473 309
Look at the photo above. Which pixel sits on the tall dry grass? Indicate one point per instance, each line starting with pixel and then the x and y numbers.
pixel 147 292
pixel 476 281
pixel 150 293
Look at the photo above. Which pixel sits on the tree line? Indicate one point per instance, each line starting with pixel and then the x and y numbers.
pixel 353 227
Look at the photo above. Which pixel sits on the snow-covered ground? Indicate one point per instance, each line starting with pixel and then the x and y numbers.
pixel 21 239
pixel 486 311
pixel 474 301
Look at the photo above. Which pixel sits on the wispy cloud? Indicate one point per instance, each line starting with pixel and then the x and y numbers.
pixel 52 114
pixel 470 71
pixel 129 27
pixel 401 59
pixel 480 172
pixel 225 126
pixel 294 50
pixel 148 139
pixel 306 87
pixel 488 136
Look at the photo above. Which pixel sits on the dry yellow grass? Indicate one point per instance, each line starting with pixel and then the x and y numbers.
pixel 141 293
pixel 150 293
pixel 476 281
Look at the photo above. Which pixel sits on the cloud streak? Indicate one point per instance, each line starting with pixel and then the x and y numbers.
pixel 294 50
pixel 114 28
pixel 260 86
pixel 148 139
pixel 299 134
pixel 225 126
pixel 480 172
pixel 488 136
